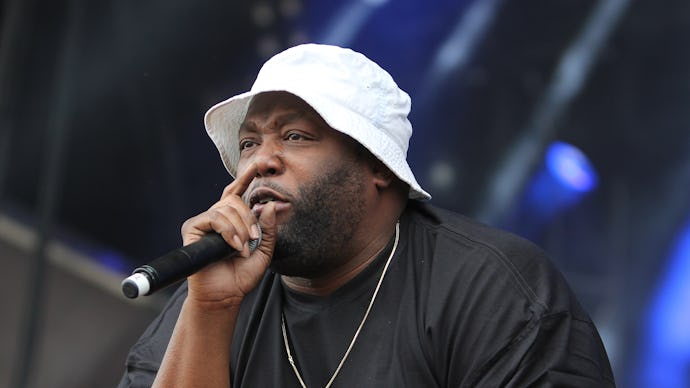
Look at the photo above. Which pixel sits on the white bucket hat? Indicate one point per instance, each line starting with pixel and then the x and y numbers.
pixel 351 93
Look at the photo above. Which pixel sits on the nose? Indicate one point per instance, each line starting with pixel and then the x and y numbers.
pixel 268 159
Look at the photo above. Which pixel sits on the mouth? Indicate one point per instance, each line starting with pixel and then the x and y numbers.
pixel 262 196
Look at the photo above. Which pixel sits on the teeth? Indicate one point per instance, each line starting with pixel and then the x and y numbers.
pixel 266 200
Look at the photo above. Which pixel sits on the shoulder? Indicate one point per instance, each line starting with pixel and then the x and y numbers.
pixel 464 230
pixel 490 261
pixel 491 291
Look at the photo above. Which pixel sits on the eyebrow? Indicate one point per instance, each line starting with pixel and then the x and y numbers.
pixel 280 121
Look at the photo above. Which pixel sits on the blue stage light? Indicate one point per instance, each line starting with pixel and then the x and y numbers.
pixel 571 167
pixel 562 180
pixel 666 353
pixel 564 177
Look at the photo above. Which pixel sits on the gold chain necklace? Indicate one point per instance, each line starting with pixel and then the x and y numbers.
pixel 361 324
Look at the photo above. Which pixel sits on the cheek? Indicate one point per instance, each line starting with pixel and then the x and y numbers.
pixel 304 168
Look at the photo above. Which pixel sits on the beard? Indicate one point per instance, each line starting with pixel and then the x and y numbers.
pixel 325 217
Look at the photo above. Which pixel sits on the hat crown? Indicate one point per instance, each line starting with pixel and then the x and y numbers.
pixel 352 79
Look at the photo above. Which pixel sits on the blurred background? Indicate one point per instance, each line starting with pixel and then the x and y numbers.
pixel 565 121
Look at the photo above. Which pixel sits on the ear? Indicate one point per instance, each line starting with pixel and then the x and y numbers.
pixel 382 175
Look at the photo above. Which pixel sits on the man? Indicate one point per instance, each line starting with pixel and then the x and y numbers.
pixel 356 282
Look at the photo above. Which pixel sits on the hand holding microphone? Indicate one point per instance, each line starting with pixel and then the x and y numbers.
pixel 227 230
pixel 176 265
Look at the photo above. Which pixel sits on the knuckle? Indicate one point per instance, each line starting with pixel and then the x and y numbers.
pixel 188 224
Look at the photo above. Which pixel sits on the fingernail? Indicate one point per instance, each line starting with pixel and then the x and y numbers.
pixel 245 250
pixel 254 232
pixel 237 241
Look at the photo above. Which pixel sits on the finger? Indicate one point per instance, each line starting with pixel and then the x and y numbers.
pixel 269 233
pixel 241 183
pixel 248 217
pixel 225 222
pixel 242 227
pixel 194 228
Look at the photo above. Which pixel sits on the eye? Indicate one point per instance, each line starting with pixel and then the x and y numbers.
pixel 244 144
pixel 295 136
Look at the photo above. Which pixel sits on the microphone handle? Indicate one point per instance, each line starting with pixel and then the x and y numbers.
pixel 178 264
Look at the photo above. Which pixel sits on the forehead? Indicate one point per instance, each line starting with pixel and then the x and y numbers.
pixel 274 109
pixel 264 105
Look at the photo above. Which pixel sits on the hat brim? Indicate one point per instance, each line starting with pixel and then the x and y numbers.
pixel 223 122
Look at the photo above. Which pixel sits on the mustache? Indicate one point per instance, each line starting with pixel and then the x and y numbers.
pixel 269 185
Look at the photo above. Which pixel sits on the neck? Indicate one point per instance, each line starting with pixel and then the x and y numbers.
pixel 327 284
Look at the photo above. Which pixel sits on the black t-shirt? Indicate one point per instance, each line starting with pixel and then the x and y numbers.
pixel 461 304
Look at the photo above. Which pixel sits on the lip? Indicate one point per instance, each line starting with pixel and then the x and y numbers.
pixel 262 192
pixel 280 207
pixel 280 202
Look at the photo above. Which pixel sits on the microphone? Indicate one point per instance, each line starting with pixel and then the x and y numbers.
pixel 176 265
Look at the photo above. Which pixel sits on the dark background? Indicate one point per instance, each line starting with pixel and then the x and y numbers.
pixel 102 145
